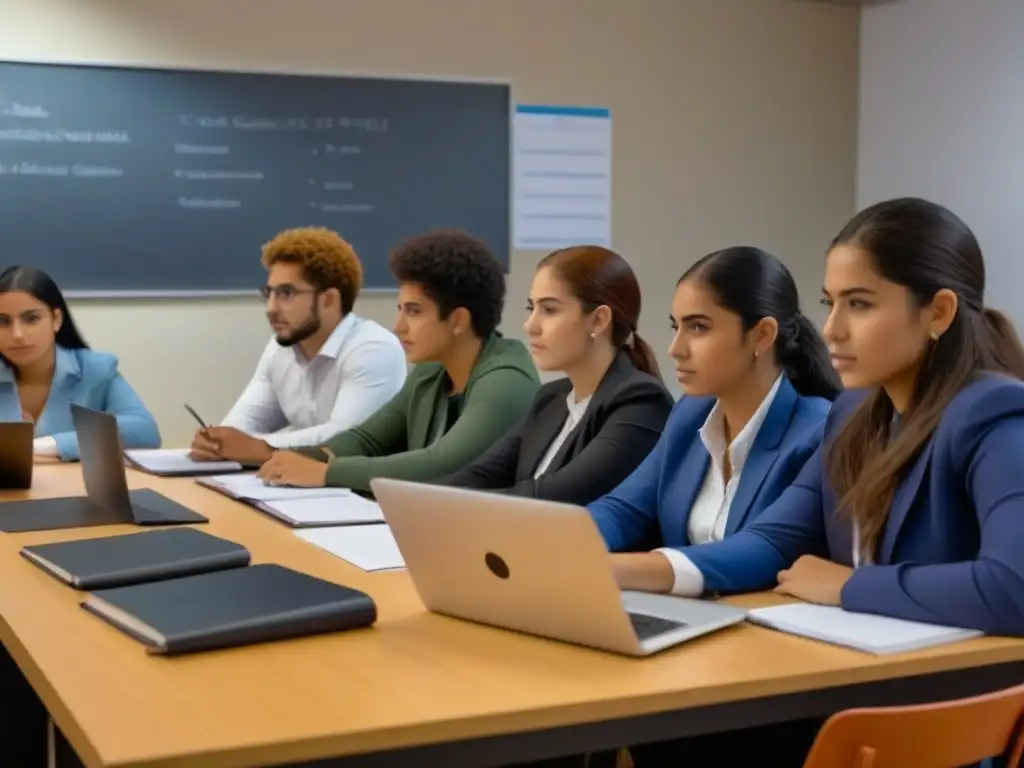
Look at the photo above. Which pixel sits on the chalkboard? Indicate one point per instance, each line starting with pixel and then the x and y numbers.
pixel 131 181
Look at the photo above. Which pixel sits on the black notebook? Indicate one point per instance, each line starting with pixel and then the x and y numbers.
pixel 136 558
pixel 229 608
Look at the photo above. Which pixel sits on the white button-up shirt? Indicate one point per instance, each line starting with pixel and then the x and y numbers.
pixel 576 411
pixel 710 511
pixel 293 401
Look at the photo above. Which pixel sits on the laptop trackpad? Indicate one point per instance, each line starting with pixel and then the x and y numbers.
pixel 653 615
pixel 647 626
pixel 152 508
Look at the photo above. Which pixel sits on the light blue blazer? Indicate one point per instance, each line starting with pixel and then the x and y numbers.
pixel 90 379
pixel 651 507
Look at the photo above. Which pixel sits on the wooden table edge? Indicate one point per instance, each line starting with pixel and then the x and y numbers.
pixel 421 732
pixel 49 696
pixel 430 733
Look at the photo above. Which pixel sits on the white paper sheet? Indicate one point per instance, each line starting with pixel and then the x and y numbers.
pixel 562 177
pixel 349 509
pixel 861 631
pixel 176 461
pixel 370 547
pixel 249 486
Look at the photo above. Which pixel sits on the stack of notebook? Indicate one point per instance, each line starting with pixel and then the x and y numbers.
pixel 182 590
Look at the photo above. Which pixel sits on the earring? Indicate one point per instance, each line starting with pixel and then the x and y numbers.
pixel 593 335
pixel 756 354
pixel 934 335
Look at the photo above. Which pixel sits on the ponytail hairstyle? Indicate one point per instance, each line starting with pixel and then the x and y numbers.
pixel 42 287
pixel 598 276
pixel 925 248
pixel 754 284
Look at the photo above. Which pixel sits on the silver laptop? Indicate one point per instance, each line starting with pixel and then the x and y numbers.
pixel 538 567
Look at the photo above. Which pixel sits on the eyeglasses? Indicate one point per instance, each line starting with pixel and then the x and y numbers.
pixel 283 292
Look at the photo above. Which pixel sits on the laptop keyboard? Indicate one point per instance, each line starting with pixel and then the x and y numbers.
pixel 647 626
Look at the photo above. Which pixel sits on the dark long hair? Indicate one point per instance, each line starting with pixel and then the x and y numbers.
pixel 41 286
pixel 925 248
pixel 754 284
pixel 598 276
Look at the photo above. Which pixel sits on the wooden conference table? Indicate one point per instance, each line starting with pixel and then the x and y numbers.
pixel 417 689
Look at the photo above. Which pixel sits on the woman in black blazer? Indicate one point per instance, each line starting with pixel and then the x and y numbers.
pixel 587 432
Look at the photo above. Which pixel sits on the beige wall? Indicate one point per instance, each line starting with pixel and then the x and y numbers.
pixel 734 122
pixel 948 127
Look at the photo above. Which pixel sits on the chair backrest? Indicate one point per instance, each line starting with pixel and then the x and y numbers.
pixel 948 733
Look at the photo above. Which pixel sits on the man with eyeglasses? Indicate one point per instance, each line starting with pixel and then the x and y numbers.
pixel 325 371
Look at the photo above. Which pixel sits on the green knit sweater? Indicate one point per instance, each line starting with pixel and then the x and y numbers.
pixel 401 440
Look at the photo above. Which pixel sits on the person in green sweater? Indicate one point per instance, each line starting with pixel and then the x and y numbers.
pixel 468 388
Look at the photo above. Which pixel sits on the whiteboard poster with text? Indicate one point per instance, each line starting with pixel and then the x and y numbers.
pixel 562 177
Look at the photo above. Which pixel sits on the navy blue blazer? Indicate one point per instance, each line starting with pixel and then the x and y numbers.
pixel 652 506
pixel 952 550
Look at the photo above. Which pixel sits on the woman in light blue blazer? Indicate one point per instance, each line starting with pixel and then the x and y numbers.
pixel 914 505
pixel 757 385
pixel 45 365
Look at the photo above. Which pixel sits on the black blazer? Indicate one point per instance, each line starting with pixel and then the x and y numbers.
pixel 621 425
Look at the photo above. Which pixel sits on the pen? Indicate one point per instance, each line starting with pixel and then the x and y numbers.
pixel 196 416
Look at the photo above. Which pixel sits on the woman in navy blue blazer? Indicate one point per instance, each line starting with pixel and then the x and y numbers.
pixel 914 505
pixel 758 385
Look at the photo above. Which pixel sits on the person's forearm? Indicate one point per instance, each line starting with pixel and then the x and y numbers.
pixel 643 572
pixel 318 452
pixel 254 452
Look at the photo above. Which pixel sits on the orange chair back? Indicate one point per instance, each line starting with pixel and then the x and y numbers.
pixel 941 735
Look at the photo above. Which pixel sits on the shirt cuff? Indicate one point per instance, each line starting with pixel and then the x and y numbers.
pixel 689 581
pixel 44 446
pixel 276 440
pixel 288 439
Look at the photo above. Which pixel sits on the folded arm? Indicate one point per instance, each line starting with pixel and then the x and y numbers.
pixel 384 433
pixel 628 516
pixel 498 400
pixel 135 423
pixel 751 559
pixel 985 593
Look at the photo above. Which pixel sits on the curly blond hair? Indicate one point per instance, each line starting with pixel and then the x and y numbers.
pixel 327 260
